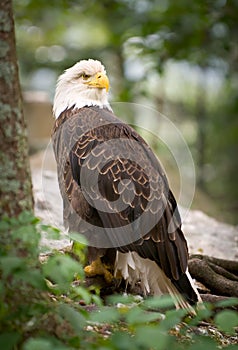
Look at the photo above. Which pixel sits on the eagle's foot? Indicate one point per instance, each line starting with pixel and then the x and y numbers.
pixel 98 268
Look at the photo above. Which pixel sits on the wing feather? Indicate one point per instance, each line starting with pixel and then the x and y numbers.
pixel 128 171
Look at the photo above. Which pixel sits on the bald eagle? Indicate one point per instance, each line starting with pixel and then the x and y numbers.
pixel 115 191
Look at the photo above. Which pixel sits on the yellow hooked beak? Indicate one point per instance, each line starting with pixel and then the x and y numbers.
pixel 100 81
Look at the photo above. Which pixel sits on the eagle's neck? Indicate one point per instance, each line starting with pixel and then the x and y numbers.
pixel 72 97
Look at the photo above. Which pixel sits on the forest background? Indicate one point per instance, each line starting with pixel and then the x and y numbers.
pixel 180 58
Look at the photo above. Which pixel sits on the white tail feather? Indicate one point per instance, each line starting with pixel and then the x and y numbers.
pixel 153 280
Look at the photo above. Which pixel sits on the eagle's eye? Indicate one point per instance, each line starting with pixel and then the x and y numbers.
pixel 85 76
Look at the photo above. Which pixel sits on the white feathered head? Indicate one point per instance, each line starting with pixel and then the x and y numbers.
pixel 84 84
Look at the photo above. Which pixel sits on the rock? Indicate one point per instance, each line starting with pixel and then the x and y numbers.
pixel 208 236
pixel 48 201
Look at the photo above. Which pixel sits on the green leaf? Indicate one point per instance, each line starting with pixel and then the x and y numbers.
pixel 2 288
pixel 202 313
pixel 96 299
pixel 159 302
pixel 137 316
pixel 37 344
pixel 134 315
pixel 227 303
pixel 61 269
pixel 105 315
pixel 10 264
pixel 74 317
pixel 122 299
pixel 231 347
pixel 203 343
pixel 125 340
pixel 26 217
pixel 172 318
pixel 80 239
pixel 33 277
pixel 151 337
pixel 82 293
pixel 28 234
pixel 4 225
pixel 226 321
pixel 43 344
pixel 79 249
pixel 52 232
pixel 9 340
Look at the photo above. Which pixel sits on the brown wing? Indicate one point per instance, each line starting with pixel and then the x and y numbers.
pixel 115 190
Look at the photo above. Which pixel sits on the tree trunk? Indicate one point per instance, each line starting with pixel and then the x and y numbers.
pixel 15 179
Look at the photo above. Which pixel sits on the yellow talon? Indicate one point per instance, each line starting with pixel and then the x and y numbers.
pixel 98 268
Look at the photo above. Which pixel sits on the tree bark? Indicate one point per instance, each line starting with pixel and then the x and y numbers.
pixel 15 180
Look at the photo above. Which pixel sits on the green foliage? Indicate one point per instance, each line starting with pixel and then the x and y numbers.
pixel 61 269
pixel 41 343
pixel 227 320
pixel 224 133
pixel 41 307
pixel 26 308
pixel 8 340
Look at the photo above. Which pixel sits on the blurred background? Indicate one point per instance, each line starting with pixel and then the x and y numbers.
pixel 178 57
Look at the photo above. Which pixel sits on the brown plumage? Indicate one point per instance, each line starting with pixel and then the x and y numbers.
pixel 116 193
